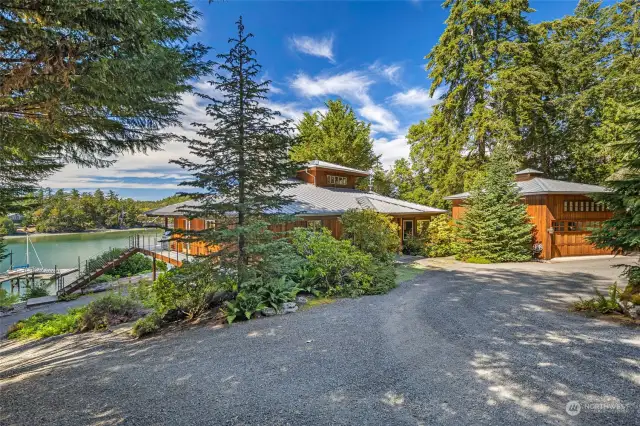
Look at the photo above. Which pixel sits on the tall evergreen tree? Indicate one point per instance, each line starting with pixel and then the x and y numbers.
pixel 336 136
pixel 495 225
pixel 83 81
pixel 622 232
pixel 478 42
pixel 242 157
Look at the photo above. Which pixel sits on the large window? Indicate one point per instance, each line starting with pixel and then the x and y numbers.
pixel 337 180
pixel 209 224
pixel 314 224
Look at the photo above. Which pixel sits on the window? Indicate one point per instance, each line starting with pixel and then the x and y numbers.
pixel 570 206
pixel 314 224
pixel 337 180
pixel 558 226
pixel 572 226
pixel 209 224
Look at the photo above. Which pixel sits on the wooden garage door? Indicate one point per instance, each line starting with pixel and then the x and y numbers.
pixel 570 239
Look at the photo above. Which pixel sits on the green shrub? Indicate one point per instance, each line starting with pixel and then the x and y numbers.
pixel 33 292
pixel 601 303
pixel 68 297
pixel 441 237
pixel 6 299
pixel 7 227
pixel 243 307
pixel 339 268
pixel 109 310
pixel 143 293
pixel 635 299
pixel 383 278
pixel 275 292
pixel 43 325
pixel 187 289
pixel 477 259
pixel 372 232
pixel 413 245
pixel 147 325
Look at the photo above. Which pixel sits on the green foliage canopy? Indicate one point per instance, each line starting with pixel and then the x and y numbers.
pixel 336 136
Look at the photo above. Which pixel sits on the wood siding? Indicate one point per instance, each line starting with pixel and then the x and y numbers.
pixel 332 223
pixel 318 177
pixel 544 210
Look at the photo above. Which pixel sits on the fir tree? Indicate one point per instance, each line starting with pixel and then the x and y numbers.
pixel 242 158
pixel 495 225
pixel 622 232
pixel 336 136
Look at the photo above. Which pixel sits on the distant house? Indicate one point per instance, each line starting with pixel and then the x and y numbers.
pixel 562 213
pixel 15 217
pixel 324 192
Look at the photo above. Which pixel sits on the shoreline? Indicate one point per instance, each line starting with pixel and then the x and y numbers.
pixel 92 231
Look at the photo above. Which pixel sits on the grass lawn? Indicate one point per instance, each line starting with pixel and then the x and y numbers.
pixel 408 272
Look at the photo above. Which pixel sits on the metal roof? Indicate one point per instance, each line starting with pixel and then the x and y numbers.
pixel 333 166
pixel 317 201
pixel 538 186
pixel 529 171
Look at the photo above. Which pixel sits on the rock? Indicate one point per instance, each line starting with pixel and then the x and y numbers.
pixel 289 307
pixel 301 300
pixel 634 312
pixel 268 312
pixel 20 306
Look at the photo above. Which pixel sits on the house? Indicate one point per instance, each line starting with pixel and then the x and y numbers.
pixel 16 217
pixel 323 193
pixel 562 213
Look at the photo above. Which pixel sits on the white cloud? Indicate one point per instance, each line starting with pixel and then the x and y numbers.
pixel 391 150
pixel 351 85
pixel 390 72
pixel 417 98
pixel 354 87
pixel 322 47
pixel 382 120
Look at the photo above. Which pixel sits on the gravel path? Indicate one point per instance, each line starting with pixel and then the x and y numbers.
pixel 458 345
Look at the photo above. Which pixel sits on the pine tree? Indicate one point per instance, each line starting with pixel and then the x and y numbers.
pixel 336 136
pixel 495 225
pixel 242 158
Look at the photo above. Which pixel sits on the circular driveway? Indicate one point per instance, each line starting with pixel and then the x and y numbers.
pixel 460 344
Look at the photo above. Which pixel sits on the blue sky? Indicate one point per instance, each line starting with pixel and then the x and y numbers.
pixel 370 54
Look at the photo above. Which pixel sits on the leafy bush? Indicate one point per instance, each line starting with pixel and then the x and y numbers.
pixel 43 325
pixel 108 310
pixel 372 232
pixel 6 299
pixel 7 227
pixel 635 299
pixel 383 278
pixel 339 267
pixel 413 245
pixel 147 325
pixel 137 264
pixel 601 303
pixel 477 259
pixel 243 307
pixel 275 292
pixel 68 297
pixel 441 237
pixel 143 293
pixel 33 292
pixel 187 289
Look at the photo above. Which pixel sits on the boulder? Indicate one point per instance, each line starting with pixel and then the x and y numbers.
pixel 634 312
pixel 301 300
pixel 289 307
pixel 268 312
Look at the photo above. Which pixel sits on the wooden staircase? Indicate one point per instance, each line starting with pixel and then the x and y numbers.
pixel 84 278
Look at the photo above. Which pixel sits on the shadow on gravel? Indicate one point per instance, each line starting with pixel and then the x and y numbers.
pixel 529 350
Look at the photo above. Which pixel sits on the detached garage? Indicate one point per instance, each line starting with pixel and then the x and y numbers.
pixel 562 213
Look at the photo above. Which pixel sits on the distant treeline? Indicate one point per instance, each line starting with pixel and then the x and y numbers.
pixel 74 211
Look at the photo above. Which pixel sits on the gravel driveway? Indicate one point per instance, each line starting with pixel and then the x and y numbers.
pixel 457 345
